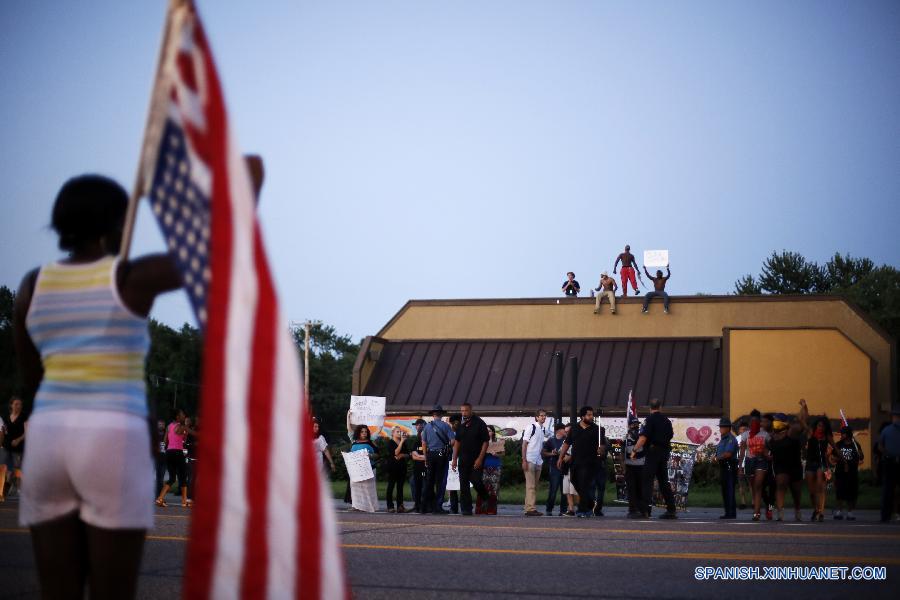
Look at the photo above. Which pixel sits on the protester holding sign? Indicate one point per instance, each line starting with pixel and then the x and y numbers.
pixel 659 291
pixel 367 410
pixel 363 494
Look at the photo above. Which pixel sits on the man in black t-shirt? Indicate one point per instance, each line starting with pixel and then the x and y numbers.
pixel 584 439
pixel 570 287
pixel 469 448
pixel 656 438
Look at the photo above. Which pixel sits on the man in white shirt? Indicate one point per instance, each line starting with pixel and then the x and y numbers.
pixel 532 443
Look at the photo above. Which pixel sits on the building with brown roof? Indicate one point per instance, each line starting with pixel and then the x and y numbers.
pixel 711 356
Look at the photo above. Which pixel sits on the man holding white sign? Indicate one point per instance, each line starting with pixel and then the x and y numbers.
pixel 659 284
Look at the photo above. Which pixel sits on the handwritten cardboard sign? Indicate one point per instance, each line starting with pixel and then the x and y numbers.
pixel 656 258
pixel 358 466
pixel 367 410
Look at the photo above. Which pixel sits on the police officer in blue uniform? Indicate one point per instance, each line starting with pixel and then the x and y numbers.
pixel 726 456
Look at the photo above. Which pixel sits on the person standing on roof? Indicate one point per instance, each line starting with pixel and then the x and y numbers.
pixel 628 272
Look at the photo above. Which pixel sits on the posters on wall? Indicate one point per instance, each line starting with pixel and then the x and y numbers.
pixel 680 469
pixel 698 431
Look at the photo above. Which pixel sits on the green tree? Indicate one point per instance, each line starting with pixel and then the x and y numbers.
pixel 790 273
pixel 747 286
pixel 844 272
pixel 173 368
pixel 8 372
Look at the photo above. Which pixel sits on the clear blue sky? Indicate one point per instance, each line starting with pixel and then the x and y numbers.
pixel 482 149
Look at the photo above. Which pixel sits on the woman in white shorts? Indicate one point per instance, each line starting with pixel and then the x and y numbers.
pixel 81 340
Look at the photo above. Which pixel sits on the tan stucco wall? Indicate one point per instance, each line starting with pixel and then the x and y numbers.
pixel 772 370
pixel 545 319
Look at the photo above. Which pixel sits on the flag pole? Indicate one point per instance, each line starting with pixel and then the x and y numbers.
pixel 152 112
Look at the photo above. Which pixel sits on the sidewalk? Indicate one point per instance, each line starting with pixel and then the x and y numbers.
pixel 619 511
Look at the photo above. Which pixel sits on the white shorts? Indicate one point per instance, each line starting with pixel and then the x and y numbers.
pixel 567 487
pixel 95 463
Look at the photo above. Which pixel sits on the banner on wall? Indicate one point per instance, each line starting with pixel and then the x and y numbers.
pixel 680 469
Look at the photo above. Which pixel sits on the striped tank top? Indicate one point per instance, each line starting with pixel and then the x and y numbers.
pixel 92 346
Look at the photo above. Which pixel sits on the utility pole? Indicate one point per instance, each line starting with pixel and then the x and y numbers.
pixel 306 326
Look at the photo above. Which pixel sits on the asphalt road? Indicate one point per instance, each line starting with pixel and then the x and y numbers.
pixel 507 556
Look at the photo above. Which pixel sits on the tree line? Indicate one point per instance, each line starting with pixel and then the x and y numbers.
pixel 173 367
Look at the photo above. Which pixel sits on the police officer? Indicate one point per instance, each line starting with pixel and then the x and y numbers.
pixel 726 456
pixel 656 439
pixel 634 468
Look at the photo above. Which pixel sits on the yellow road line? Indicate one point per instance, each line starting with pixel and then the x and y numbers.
pixel 736 533
pixel 865 560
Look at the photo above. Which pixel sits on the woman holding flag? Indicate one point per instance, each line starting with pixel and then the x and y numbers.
pixel 81 340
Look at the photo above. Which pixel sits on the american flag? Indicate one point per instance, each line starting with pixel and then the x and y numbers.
pixel 277 537
pixel 632 409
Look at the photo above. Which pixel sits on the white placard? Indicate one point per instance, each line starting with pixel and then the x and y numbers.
pixel 656 258
pixel 358 466
pixel 367 410
pixel 452 480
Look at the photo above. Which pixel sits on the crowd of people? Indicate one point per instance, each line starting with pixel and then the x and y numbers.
pixel 607 287
pixel 773 454
pixel 763 458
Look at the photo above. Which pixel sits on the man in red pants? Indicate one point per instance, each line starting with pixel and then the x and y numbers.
pixel 628 264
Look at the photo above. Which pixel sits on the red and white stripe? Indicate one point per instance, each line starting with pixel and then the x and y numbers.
pixel 277 537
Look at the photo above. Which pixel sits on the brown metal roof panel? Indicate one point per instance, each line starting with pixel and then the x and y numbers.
pixel 511 374
pixel 692 371
pixel 542 375
pixel 614 377
pixel 470 368
pixel 383 368
pixel 441 366
pixel 430 363
pixel 586 366
pixel 524 383
pixel 494 375
pixel 455 372
pixel 661 371
pixel 417 350
pixel 645 373
pixel 633 355
pixel 706 378
pixel 674 392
